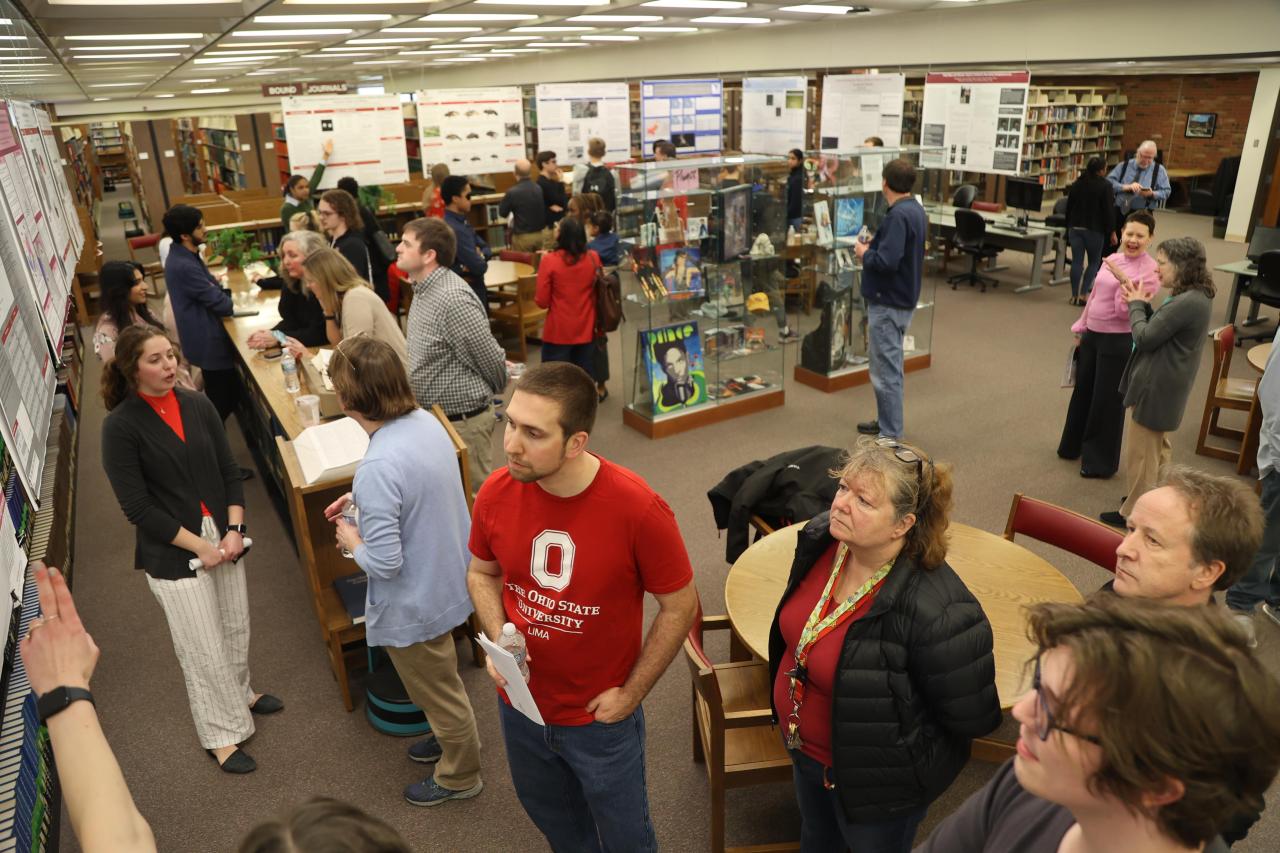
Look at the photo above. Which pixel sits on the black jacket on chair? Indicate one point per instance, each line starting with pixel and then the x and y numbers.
pixel 160 480
pixel 915 684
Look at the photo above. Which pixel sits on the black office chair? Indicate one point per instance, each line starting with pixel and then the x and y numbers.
pixel 970 238
pixel 1058 219
pixel 1263 290
pixel 964 196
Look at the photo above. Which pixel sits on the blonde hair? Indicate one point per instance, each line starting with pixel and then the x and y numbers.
pixel 333 275
pixel 304 220
pixel 308 242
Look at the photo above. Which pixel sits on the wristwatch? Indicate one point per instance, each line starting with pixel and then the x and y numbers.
pixel 59 699
pixel 242 529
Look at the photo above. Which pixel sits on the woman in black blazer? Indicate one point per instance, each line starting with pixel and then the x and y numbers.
pixel 166 454
pixel 1090 210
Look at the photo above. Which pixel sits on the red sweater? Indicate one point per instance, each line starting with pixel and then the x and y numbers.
pixel 568 292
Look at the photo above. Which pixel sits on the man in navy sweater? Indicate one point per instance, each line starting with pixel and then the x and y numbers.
pixel 892 265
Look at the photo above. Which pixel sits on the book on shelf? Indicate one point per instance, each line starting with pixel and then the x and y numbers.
pixel 353 590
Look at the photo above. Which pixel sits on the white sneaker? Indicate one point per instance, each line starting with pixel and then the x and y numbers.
pixel 1245 621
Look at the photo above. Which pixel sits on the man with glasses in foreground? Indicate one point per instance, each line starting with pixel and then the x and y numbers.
pixel 1148 727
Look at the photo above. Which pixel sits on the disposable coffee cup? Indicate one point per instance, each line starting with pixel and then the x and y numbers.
pixel 308 409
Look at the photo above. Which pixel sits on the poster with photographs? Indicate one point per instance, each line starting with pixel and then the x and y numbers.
pixel 735 225
pixel 681 271
pixel 773 114
pixel 472 131
pixel 976 118
pixel 858 106
pixel 689 113
pixel 571 113
pixel 673 367
pixel 848 217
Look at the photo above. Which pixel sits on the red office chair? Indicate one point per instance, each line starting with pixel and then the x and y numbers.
pixel 512 255
pixel 152 270
pixel 1064 529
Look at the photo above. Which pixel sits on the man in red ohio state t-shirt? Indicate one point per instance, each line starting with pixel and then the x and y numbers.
pixel 565 545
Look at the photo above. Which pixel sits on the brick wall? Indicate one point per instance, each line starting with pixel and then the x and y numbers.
pixel 1158 108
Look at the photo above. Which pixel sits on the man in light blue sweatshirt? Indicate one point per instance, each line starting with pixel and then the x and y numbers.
pixel 412 543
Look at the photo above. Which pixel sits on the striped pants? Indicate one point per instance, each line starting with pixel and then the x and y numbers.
pixel 208 618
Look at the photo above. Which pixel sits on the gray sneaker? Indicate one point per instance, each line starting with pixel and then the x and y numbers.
pixel 1245 621
pixel 1272 611
pixel 426 751
pixel 428 793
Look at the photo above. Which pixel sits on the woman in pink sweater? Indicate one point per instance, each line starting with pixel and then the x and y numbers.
pixel 1095 415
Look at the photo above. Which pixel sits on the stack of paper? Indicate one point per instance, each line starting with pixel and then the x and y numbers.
pixel 320 361
pixel 331 450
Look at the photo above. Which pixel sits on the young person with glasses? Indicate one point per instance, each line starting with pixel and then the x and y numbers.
pixel 879 656
pixel 1148 727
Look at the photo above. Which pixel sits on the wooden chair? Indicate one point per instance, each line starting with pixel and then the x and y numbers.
pixel 1225 392
pixel 152 270
pixel 733 732
pixel 1062 528
pixel 521 317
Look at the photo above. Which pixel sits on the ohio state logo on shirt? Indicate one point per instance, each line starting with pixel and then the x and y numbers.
pixel 544 544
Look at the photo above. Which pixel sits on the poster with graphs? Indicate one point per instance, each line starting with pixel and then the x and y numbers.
pixel 858 106
pixel 976 118
pixel 571 113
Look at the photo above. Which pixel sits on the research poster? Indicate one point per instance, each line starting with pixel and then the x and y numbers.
pixel 50 138
pixel 367 133
pixel 48 182
pixel 471 130
pixel 686 112
pixel 858 106
pixel 773 114
pixel 977 118
pixel 571 113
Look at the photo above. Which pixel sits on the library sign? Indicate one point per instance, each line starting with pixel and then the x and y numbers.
pixel 290 90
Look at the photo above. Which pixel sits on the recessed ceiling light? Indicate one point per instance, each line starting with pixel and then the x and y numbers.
pixel 383 62
pixel 366 50
pixel 267 43
pixel 818 10
pixel 432 29
pixel 114 47
pixel 479 16
pixel 610 19
pixel 232 50
pixel 551 29
pixel 696 4
pixel 254 34
pixel 398 41
pixel 562 44
pixel 13 38
pixel 502 38
pixel 611 38
pixel 113 85
pixel 227 60
pixel 661 29
pixel 208 91
pixel 138 37
pixel 729 19
pixel 22 58
pixel 462 59
pixel 101 99
pixel 332 57
pixel 521 50
pixel 163 95
pixel 320 19
pixel 16 49
pixel 128 56
pixel 201 80
pixel 540 3
pixel 432 52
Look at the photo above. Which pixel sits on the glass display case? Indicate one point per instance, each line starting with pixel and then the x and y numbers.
pixel 844 204
pixel 704 290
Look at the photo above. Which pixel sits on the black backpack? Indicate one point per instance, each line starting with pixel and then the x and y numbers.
pixel 599 180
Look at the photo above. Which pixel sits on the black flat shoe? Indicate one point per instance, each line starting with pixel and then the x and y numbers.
pixel 237 762
pixel 1096 475
pixel 601 396
pixel 267 704
pixel 869 427
pixel 1115 519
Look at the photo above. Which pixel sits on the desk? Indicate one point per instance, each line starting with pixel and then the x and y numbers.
pixel 1258 356
pixel 1002 575
pixel 502 274
pixel 1035 241
pixel 1177 177
pixel 1243 272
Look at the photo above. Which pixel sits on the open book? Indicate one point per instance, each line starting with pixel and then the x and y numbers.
pixel 331 450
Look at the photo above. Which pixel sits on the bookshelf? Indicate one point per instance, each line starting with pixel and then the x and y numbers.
pixel 411 142
pixel 108 145
pixel 912 108
pixel 80 165
pixel 1066 126
pixel 281 148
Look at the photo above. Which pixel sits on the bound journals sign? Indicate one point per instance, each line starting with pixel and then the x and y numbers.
pixel 290 90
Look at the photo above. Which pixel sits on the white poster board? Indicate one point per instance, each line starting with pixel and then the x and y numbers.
pixel 571 113
pixel 858 106
pixel 471 130
pixel 63 192
pixel 977 118
pixel 367 133
pixel 49 184
pixel 774 110
pixel 689 113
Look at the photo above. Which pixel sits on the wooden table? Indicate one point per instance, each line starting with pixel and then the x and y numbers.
pixel 1258 356
pixel 502 274
pixel 1002 575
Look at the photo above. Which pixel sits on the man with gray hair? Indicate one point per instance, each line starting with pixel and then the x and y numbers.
pixel 1140 182
pixel 527 208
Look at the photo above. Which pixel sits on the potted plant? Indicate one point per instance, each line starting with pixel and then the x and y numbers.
pixel 235 246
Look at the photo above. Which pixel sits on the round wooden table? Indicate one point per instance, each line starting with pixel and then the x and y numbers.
pixel 1002 575
pixel 505 273
pixel 1258 356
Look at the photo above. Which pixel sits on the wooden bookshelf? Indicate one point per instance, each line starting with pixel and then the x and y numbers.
pixel 281 148
pixel 1065 126
pixel 108 145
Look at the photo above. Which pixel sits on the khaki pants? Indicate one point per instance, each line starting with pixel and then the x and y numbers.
pixel 530 241
pixel 1146 451
pixel 477 433
pixel 430 674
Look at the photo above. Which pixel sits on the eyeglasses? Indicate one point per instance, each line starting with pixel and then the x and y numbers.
pixel 1045 722
pixel 323 212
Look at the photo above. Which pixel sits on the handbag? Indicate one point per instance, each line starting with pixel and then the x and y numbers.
pixel 608 301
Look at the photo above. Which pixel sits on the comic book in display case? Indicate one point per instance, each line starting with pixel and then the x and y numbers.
pixel 703 290
pixel 844 205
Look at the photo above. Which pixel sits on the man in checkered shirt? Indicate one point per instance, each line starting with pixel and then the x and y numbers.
pixel 453 357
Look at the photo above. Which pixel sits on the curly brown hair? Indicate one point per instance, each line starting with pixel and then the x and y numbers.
pixel 120 375
pixel 1190 265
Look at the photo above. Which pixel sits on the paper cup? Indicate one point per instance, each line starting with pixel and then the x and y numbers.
pixel 308 409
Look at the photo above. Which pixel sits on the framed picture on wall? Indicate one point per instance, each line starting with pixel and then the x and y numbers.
pixel 1201 125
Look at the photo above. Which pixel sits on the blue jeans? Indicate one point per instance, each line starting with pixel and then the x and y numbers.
pixel 887 325
pixel 1084 241
pixel 824 828
pixel 583 355
pixel 582 786
pixel 1261 582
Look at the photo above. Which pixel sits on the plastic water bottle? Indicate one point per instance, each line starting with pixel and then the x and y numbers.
pixel 351 515
pixel 289 365
pixel 513 641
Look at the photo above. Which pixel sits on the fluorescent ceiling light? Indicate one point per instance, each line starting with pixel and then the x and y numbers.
pixel 479 16
pixel 265 44
pixel 230 60
pixel 729 19
pixel 13 38
pixel 551 29
pixel 164 95
pixel 462 59
pixel 101 99
pixel 24 65
pixel 129 56
pixel 432 52
pixel 611 19
pixel 232 50
pixel 22 58
pixel 521 50
pixel 201 80
pixel 432 29
pixel 818 10
pixel 696 4
pixel 660 30
pixel 15 49
pixel 255 34
pixel 611 38
pixel 113 85
pixel 319 19
pixel 398 41
pixel 334 57
pixel 139 37
pixel 502 38
pixel 383 62
pixel 208 91
pixel 562 44
pixel 541 3
pixel 366 49
pixel 114 47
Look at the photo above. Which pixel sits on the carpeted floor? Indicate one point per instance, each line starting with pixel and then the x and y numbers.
pixel 990 405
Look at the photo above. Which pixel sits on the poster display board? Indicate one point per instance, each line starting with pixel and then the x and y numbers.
pixel 49 182
pixel 571 113
pixel 367 133
pixel 857 106
pixel 687 112
pixel 63 192
pixel 471 130
pixel 31 259
pixel 977 119
pixel 773 114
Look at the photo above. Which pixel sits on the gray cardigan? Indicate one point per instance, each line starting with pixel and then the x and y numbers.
pixel 1166 355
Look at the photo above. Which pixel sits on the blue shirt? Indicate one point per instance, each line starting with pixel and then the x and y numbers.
pixel 473 253
pixel 199 303
pixel 1154 177
pixel 414 523
pixel 606 246
pixel 892 267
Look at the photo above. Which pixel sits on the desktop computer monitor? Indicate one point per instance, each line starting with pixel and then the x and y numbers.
pixel 1025 194
pixel 1266 238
